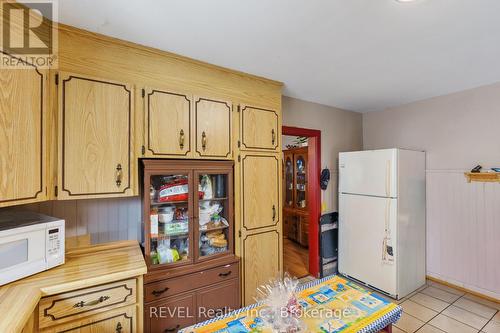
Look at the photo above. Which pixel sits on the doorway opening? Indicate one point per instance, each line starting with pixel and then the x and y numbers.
pixel 301 200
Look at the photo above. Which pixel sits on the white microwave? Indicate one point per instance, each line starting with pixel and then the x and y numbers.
pixel 29 243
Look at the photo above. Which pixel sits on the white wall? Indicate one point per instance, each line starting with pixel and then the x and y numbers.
pixel 458 131
pixel 341 130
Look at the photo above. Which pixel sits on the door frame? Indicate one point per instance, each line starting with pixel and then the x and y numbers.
pixel 313 188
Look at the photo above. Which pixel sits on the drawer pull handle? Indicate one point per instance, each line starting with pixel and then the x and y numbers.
pixel 273 136
pixel 172 329
pixel 204 140
pixel 82 304
pixel 225 274
pixel 274 213
pixel 119 175
pixel 159 292
pixel 119 327
pixel 181 139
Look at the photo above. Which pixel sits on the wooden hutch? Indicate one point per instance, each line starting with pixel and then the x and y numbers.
pixel 295 196
pixel 188 242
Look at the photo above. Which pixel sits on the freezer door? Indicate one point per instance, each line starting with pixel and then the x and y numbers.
pixel 371 172
pixel 362 224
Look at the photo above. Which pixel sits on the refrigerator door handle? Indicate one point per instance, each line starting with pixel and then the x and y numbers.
pixel 388 179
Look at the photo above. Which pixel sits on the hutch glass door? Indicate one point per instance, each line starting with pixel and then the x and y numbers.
pixel 170 216
pixel 214 227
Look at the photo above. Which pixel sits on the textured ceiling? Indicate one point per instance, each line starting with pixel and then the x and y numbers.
pixel 361 55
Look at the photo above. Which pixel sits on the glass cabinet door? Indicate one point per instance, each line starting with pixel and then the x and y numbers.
pixel 300 182
pixel 214 214
pixel 169 219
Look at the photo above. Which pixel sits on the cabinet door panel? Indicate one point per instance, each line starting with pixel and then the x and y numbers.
pixel 259 129
pixel 171 314
pixel 96 137
pixel 262 261
pixel 260 197
pixel 218 299
pixel 22 135
pixel 168 123
pixel 213 128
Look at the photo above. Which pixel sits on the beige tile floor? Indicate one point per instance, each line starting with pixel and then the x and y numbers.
pixel 436 308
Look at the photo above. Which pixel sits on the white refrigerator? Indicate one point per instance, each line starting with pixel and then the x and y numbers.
pixel 382 219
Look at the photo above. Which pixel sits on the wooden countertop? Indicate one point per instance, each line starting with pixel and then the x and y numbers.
pixel 83 268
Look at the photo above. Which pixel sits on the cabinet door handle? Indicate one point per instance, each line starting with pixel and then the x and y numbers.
pixel 172 329
pixel 159 292
pixel 225 274
pixel 204 140
pixel 119 175
pixel 82 304
pixel 181 139
pixel 119 327
pixel 273 136
pixel 274 213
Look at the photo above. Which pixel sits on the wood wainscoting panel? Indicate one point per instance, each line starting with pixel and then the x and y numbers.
pixel 462 231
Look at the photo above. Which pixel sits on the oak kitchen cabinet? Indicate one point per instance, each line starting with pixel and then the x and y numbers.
pixel 260 129
pixel 180 125
pixel 168 123
pixel 95 137
pixel 213 118
pixel 98 121
pixel 23 119
pixel 260 233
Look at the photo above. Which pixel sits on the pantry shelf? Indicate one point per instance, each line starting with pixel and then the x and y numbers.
pixel 485 177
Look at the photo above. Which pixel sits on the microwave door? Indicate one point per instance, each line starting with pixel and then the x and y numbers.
pixel 20 254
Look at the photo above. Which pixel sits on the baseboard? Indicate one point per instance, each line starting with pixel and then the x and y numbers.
pixel 472 292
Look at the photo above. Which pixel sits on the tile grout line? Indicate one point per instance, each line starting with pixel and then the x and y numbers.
pixel 444 309
pixel 489 321
pixel 475 303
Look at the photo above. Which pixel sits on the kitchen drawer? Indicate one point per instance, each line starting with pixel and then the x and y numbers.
pixel 121 320
pixel 73 305
pixel 170 287
pixel 171 314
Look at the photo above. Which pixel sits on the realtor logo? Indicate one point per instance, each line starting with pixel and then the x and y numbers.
pixel 28 34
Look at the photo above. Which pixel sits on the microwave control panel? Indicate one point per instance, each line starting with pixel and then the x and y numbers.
pixel 55 244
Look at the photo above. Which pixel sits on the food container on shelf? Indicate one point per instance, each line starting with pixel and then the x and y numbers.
pixel 175 228
pixel 166 214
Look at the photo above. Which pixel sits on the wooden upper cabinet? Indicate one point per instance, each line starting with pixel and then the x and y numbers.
pixel 96 138
pixel 168 123
pixel 213 128
pixel 260 129
pixel 23 96
pixel 260 196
